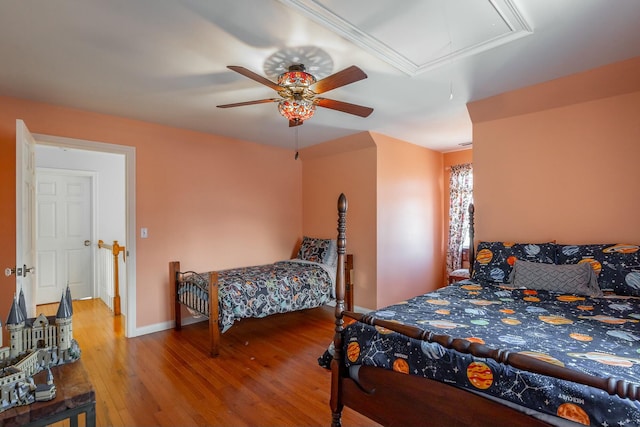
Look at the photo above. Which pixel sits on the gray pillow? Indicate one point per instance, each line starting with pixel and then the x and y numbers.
pixel 323 251
pixel 578 279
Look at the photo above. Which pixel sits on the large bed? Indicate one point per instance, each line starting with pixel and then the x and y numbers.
pixel 227 296
pixel 541 334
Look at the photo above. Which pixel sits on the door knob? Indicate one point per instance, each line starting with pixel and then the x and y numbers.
pixel 87 242
pixel 19 271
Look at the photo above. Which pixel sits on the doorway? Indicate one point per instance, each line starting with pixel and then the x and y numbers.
pixel 64 233
pixel 104 150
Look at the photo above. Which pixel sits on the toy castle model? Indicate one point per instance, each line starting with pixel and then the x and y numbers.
pixel 35 344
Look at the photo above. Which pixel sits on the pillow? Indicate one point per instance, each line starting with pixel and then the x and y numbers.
pixel 494 260
pixel 323 251
pixel 331 258
pixel 578 279
pixel 617 266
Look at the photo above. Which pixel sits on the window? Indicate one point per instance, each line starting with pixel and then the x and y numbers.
pixel 460 197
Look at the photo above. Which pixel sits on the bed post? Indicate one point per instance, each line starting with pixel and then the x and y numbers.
pixel 174 269
pixel 214 329
pixel 348 283
pixel 472 236
pixel 336 364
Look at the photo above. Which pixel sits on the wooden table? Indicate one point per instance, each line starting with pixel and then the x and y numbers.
pixel 74 395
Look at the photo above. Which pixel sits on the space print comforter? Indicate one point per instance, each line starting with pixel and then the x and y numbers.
pixel 599 336
pixel 262 290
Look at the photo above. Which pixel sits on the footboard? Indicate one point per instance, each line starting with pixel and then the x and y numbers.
pixel 396 399
pixel 200 294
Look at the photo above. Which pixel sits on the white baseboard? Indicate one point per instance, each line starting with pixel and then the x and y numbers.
pixel 163 326
pixel 150 329
pixel 190 320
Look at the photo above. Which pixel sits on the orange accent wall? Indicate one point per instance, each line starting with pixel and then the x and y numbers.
pixel 208 201
pixel 410 187
pixel 345 165
pixel 394 191
pixel 559 160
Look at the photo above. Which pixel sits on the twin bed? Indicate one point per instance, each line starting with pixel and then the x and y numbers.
pixel 227 296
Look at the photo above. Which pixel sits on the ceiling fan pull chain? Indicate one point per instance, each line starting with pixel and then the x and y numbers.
pixel 296 157
pixel 450 44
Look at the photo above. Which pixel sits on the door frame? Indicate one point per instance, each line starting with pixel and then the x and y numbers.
pixel 129 300
pixel 94 211
pixel 25 208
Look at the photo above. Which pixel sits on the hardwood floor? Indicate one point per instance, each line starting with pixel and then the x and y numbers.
pixel 266 375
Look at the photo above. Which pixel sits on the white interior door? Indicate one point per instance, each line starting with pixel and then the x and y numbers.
pixel 63 235
pixel 25 209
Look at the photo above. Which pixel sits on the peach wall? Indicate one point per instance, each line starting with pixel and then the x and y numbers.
pixel 568 172
pixel 234 202
pixel 394 221
pixel 614 79
pixel 410 185
pixel 450 159
pixel 345 165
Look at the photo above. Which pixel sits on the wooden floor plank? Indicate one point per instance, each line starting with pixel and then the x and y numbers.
pixel 266 375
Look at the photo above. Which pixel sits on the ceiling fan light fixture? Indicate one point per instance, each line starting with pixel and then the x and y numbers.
pixel 298 100
pixel 296 109
pixel 296 79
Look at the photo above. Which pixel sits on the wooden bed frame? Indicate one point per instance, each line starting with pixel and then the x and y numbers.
pixel 175 278
pixel 395 399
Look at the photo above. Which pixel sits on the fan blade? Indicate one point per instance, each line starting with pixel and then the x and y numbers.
pixel 345 107
pixel 293 123
pixel 341 78
pixel 253 76
pixel 240 104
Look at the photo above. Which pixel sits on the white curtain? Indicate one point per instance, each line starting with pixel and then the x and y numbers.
pixel 461 195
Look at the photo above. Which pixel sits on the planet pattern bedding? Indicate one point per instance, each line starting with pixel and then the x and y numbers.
pixel 259 291
pixel 576 306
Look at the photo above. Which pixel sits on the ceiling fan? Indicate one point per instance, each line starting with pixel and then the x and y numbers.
pixel 298 92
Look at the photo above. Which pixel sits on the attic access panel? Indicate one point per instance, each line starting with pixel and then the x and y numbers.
pixel 419 35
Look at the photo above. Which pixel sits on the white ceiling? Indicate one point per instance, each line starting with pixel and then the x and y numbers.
pixel 164 61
